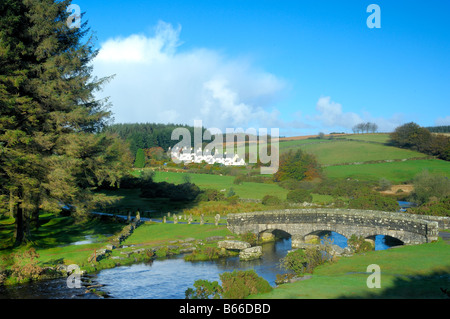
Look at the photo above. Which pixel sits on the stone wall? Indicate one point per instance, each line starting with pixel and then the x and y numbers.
pixel 411 229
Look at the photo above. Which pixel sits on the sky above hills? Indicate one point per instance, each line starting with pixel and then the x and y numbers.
pixel 301 66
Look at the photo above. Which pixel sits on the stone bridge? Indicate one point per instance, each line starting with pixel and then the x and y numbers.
pixel 301 223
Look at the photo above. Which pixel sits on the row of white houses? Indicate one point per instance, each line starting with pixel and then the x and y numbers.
pixel 182 155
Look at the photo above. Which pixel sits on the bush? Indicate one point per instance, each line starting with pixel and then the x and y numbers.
pixel 24 265
pixel 435 208
pixel 412 136
pixel 241 284
pixel 299 196
pixel 204 289
pixel 235 285
pixel 295 261
pixel 297 165
pixel 250 238
pixel 374 202
pixel 302 261
pixel 210 195
pixel 270 200
pixel 428 185
pixel 343 188
pixel 359 245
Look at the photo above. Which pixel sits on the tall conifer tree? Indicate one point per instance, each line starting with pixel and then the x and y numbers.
pixel 51 151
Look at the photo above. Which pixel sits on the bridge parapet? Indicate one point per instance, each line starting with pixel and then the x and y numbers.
pixel 411 229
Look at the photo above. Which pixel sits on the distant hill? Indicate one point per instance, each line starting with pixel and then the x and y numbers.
pixel 365 157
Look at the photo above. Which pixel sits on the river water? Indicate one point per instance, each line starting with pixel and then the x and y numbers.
pixel 164 279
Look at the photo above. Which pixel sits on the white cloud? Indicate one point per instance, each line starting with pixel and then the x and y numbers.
pixel 443 121
pixel 331 116
pixel 157 82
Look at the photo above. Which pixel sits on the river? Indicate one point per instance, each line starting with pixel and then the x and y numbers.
pixel 163 279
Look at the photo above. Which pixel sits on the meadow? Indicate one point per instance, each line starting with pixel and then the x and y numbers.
pixel 382 138
pixel 397 172
pixel 343 151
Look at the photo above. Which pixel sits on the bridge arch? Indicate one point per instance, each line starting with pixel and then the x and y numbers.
pixel 268 235
pixel 385 240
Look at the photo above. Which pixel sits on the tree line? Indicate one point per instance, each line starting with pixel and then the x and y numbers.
pixel 367 127
pixel 439 129
pixel 147 135
pixel 413 136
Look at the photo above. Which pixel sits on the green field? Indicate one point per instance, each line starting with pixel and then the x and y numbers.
pixel 342 151
pixel 376 137
pixel 353 148
pixel 395 171
pixel 331 153
pixel 406 272
pixel 245 190
pixel 158 233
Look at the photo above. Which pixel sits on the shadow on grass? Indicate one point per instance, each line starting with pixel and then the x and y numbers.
pixel 129 200
pixel 435 285
pixel 55 231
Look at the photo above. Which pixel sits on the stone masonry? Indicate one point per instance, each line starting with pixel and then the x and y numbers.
pixel 410 229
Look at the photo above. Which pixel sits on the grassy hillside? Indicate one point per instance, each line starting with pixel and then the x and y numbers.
pixel 376 137
pixel 406 272
pixel 341 151
pixel 395 171
pixel 332 153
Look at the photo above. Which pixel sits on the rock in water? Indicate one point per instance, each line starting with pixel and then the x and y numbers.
pixel 250 253
pixel 233 244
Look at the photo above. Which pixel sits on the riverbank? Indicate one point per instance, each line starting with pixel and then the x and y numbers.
pixel 421 268
pixel 102 242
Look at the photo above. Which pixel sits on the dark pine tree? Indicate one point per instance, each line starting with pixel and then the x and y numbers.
pixel 51 153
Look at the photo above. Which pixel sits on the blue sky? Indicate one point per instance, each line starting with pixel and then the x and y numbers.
pixel 301 66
